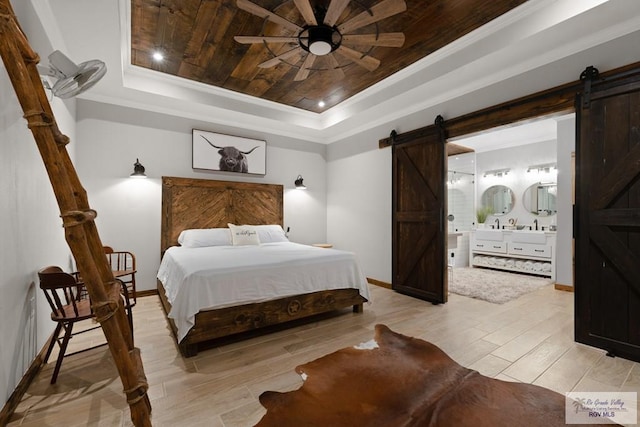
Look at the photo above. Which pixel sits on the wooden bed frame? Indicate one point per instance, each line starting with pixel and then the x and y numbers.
pixel 197 203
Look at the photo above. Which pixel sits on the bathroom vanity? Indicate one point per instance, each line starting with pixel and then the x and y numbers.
pixel 520 251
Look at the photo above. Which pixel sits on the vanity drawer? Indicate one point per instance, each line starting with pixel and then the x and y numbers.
pixel 489 246
pixel 529 249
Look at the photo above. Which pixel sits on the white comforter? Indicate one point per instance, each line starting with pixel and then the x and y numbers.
pixel 221 276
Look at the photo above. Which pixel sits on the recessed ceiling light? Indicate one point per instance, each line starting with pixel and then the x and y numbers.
pixel 158 56
pixel 321 104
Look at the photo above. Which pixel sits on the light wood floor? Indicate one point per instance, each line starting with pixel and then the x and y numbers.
pixel 529 340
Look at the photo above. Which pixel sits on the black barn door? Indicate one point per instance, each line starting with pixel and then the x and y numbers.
pixel 419 203
pixel 607 215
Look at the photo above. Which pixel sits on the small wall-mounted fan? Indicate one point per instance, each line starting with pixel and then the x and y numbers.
pixel 71 78
pixel 322 35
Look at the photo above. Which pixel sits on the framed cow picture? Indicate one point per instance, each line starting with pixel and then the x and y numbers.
pixel 227 153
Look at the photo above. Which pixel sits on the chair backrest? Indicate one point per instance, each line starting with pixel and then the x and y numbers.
pixel 66 296
pixel 120 260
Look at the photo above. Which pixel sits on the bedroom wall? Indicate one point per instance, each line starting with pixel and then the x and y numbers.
pixel 30 226
pixel 359 203
pixel 111 138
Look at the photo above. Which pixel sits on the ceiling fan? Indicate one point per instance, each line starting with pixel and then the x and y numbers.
pixel 322 35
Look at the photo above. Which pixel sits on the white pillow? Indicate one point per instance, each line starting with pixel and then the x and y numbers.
pixel 198 238
pixel 271 233
pixel 244 235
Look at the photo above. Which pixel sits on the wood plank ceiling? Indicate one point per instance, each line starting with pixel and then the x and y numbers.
pixel 196 38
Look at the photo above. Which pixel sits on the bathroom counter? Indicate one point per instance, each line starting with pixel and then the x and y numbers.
pixel 531 252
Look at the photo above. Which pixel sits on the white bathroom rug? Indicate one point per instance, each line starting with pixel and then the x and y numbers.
pixel 494 286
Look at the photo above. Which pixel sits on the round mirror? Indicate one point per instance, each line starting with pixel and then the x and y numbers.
pixel 540 199
pixel 498 198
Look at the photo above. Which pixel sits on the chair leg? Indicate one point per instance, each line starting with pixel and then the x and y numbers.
pixel 133 288
pixel 128 306
pixel 54 340
pixel 63 347
pixel 130 318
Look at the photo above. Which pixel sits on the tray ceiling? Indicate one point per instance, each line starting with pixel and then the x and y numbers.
pixel 196 38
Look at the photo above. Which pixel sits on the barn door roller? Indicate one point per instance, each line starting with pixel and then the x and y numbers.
pixel 590 74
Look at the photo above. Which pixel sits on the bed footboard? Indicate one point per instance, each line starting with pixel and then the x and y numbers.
pixel 213 324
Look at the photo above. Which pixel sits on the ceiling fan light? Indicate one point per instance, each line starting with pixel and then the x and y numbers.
pixel 320 48
pixel 319 40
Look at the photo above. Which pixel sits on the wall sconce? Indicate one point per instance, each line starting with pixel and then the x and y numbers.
pixel 138 170
pixel 545 167
pixel 299 184
pixel 497 172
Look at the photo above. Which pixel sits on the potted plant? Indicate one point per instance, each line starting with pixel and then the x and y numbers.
pixel 482 213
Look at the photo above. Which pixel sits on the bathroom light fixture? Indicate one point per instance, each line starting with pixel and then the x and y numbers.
pixel 138 170
pixel 157 56
pixel 299 184
pixel 497 172
pixel 544 167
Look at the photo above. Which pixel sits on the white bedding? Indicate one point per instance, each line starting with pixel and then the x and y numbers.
pixel 213 277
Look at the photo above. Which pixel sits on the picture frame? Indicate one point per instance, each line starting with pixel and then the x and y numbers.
pixel 227 153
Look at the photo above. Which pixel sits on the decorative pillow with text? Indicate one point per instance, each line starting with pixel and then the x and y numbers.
pixel 244 235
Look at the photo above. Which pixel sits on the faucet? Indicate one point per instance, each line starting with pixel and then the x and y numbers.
pixel 497 221
pixel 535 221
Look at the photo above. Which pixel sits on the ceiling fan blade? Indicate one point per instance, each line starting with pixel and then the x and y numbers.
pixel 303 72
pixel 384 9
pixel 306 11
pixel 265 39
pixel 280 58
pixel 261 12
pixel 382 39
pixel 336 7
pixel 368 62
pixel 335 67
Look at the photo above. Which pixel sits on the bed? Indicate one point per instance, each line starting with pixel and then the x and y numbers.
pixel 201 313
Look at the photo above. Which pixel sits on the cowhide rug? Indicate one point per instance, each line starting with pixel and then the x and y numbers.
pixel 397 381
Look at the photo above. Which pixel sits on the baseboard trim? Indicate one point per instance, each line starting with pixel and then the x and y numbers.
pixel 561 287
pixel 146 293
pixel 379 283
pixel 14 400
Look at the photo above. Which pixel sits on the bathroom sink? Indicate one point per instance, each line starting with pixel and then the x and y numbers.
pixel 536 237
pixel 489 234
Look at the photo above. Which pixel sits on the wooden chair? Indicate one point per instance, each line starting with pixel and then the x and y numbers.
pixel 123 265
pixel 69 303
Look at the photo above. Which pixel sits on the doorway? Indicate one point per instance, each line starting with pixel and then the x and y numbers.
pixel 512 166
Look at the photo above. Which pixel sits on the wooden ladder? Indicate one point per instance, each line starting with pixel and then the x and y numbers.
pixel 77 217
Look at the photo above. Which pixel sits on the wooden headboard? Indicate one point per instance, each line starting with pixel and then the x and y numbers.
pixel 202 203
